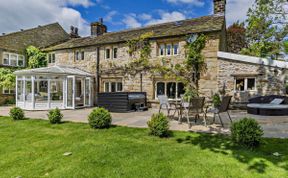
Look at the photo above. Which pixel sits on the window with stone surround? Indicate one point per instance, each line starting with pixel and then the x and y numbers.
pixel 168 49
pixel 51 58
pixel 12 59
pixel 115 53
pixel 79 55
pixel 107 53
pixel 7 91
pixel 172 89
pixel 113 86
pixel 245 84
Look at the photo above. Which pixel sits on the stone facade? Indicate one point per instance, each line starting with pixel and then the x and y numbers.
pixel 269 80
pixel 131 83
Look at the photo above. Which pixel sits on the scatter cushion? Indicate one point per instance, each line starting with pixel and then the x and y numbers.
pixel 277 101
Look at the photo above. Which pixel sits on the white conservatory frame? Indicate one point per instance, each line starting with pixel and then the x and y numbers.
pixel 53 87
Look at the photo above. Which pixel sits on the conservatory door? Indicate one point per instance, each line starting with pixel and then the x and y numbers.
pixel 87 92
pixel 70 102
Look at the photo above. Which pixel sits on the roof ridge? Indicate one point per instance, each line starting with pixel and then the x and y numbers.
pixel 33 28
pixel 159 24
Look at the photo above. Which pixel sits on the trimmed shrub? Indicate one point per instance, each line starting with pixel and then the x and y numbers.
pixel 55 116
pixel 16 113
pixel 246 132
pixel 159 125
pixel 100 118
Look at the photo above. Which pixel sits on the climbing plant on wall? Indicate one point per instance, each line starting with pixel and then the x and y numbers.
pixel 36 58
pixel 7 78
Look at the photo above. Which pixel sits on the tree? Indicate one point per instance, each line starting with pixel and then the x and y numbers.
pixel 36 58
pixel 7 78
pixel 286 47
pixel 267 27
pixel 236 39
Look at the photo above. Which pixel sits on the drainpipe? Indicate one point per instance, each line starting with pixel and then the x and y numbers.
pixel 97 74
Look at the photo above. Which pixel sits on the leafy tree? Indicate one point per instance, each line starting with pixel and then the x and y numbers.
pixel 267 27
pixel 236 39
pixel 7 78
pixel 36 58
pixel 286 47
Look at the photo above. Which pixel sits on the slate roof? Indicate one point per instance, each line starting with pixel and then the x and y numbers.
pixel 41 37
pixel 57 70
pixel 178 28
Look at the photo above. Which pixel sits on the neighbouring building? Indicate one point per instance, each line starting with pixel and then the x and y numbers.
pixel 13 46
pixel 98 54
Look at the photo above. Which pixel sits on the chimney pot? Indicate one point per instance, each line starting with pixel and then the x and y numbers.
pixel 98 28
pixel 219 6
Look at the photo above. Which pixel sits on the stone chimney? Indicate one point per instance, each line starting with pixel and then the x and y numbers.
pixel 74 32
pixel 219 6
pixel 98 28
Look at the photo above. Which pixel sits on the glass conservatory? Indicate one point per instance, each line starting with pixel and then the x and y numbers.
pixel 53 87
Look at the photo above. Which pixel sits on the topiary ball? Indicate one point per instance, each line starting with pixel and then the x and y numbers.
pixel 159 125
pixel 16 113
pixel 55 116
pixel 100 118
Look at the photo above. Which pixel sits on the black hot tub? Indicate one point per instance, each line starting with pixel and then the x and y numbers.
pixel 123 101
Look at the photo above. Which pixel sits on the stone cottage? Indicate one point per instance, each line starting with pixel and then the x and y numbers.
pixel 237 75
pixel 13 46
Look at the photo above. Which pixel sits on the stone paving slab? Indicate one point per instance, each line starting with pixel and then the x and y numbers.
pixel 273 126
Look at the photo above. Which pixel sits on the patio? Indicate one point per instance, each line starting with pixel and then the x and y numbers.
pixel 274 126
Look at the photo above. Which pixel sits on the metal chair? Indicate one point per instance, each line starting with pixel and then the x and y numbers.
pixel 195 108
pixel 224 107
pixel 165 105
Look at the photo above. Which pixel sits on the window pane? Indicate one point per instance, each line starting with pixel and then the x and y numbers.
pixel 20 90
pixel 119 86
pixel 28 91
pixel 106 86
pixel 82 55
pixel 53 58
pixel 240 84
pixel 175 49
pixel 251 84
pixel 13 60
pixel 41 91
pixel 20 61
pixel 5 91
pixel 168 49
pixel 171 90
pixel 113 87
pixel 107 53
pixel 162 50
pixel 181 90
pixel 79 55
pixel 56 91
pixel 160 88
pixel 115 53
pixel 6 59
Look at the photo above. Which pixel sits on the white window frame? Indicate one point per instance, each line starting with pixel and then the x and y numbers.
pixel 165 49
pixel 165 90
pixel 9 93
pixel 105 53
pixel 110 84
pixel 50 59
pixel 113 54
pixel 245 84
pixel 9 59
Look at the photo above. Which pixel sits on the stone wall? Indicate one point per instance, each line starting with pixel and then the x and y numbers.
pixel 208 83
pixel 269 80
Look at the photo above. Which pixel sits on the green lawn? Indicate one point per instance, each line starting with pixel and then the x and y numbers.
pixel 34 148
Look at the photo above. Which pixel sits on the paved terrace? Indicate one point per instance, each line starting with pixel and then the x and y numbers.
pixel 273 126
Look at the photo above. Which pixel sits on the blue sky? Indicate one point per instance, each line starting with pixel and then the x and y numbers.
pixel 117 14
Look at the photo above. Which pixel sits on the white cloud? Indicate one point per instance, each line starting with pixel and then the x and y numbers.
pixel 237 10
pixel 191 2
pixel 110 15
pixel 145 16
pixel 16 15
pixel 167 17
pixel 131 21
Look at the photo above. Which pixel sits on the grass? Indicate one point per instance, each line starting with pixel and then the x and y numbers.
pixel 34 148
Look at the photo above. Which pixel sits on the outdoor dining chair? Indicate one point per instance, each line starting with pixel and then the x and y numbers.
pixel 165 105
pixel 224 107
pixel 194 109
